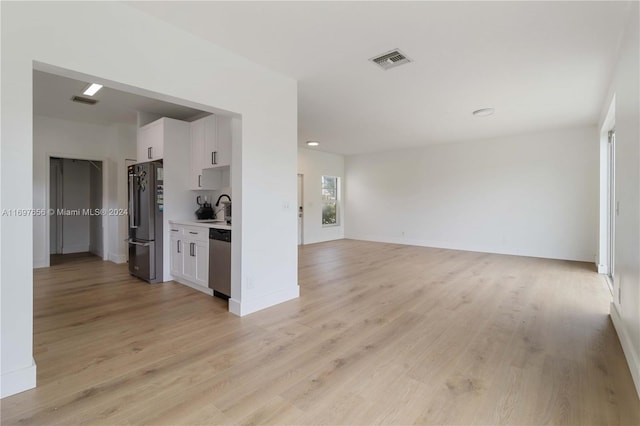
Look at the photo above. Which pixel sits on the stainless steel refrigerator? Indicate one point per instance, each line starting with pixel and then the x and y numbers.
pixel 146 204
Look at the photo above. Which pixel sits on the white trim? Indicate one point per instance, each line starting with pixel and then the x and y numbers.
pixel 608 122
pixel 633 360
pixel 300 182
pixel 16 381
pixel 41 263
pixel 117 258
pixel 78 248
pixel 205 290
pixel 603 269
pixel 242 308
pixel 584 257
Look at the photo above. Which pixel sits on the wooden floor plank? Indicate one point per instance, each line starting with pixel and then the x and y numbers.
pixel 382 334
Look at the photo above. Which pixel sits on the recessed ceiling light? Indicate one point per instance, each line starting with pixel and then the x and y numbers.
pixel 313 143
pixel 484 112
pixel 92 89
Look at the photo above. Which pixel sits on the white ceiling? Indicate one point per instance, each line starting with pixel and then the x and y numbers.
pixel 52 98
pixel 541 65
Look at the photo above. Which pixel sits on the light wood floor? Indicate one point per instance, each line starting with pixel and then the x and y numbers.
pixel 382 333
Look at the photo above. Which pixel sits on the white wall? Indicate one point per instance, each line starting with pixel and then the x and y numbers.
pixel 625 310
pixel 70 139
pixel 531 195
pixel 173 64
pixel 76 189
pixel 313 165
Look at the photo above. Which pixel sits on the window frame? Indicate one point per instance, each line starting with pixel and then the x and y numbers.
pixel 337 200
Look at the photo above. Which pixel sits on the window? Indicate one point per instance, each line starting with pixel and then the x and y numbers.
pixel 330 200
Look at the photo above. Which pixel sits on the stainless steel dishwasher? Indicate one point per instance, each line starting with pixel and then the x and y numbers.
pixel 220 262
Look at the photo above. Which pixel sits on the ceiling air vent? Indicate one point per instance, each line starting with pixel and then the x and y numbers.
pixel 391 59
pixel 83 100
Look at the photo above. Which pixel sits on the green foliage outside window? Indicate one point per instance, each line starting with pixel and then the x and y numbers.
pixel 329 200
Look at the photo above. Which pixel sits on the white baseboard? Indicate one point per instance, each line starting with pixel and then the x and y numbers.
pixel 463 247
pixel 97 252
pixel 41 263
pixel 603 269
pixel 246 307
pixel 117 258
pixel 633 360
pixel 205 290
pixel 75 249
pixel 16 381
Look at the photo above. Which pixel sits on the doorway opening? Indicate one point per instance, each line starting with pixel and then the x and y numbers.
pixel 300 209
pixel 608 203
pixel 75 206
pixel 611 205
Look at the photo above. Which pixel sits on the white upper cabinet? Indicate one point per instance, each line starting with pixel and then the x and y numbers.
pixel 210 154
pixel 210 149
pixel 153 137
pixel 197 153
pixel 218 142
pixel 151 141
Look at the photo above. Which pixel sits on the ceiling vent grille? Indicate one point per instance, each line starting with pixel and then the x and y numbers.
pixel 83 100
pixel 393 58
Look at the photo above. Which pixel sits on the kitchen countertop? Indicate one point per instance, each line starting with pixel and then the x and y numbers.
pixel 202 223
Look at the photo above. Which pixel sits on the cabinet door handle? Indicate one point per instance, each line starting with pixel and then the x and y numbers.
pixel 194 233
pixel 149 153
pixel 199 181
pixel 178 246
pixel 215 157
pixel 192 249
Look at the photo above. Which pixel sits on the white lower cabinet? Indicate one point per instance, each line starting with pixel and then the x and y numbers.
pixel 196 262
pixel 177 261
pixel 190 256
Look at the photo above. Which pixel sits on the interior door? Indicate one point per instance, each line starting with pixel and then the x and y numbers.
pixel 300 209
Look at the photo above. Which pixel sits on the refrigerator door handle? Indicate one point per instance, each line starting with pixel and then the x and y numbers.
pixel 132 213
pixel 135 243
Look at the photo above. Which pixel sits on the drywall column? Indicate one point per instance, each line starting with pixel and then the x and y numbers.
pixel 45 35
pixel 18 370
